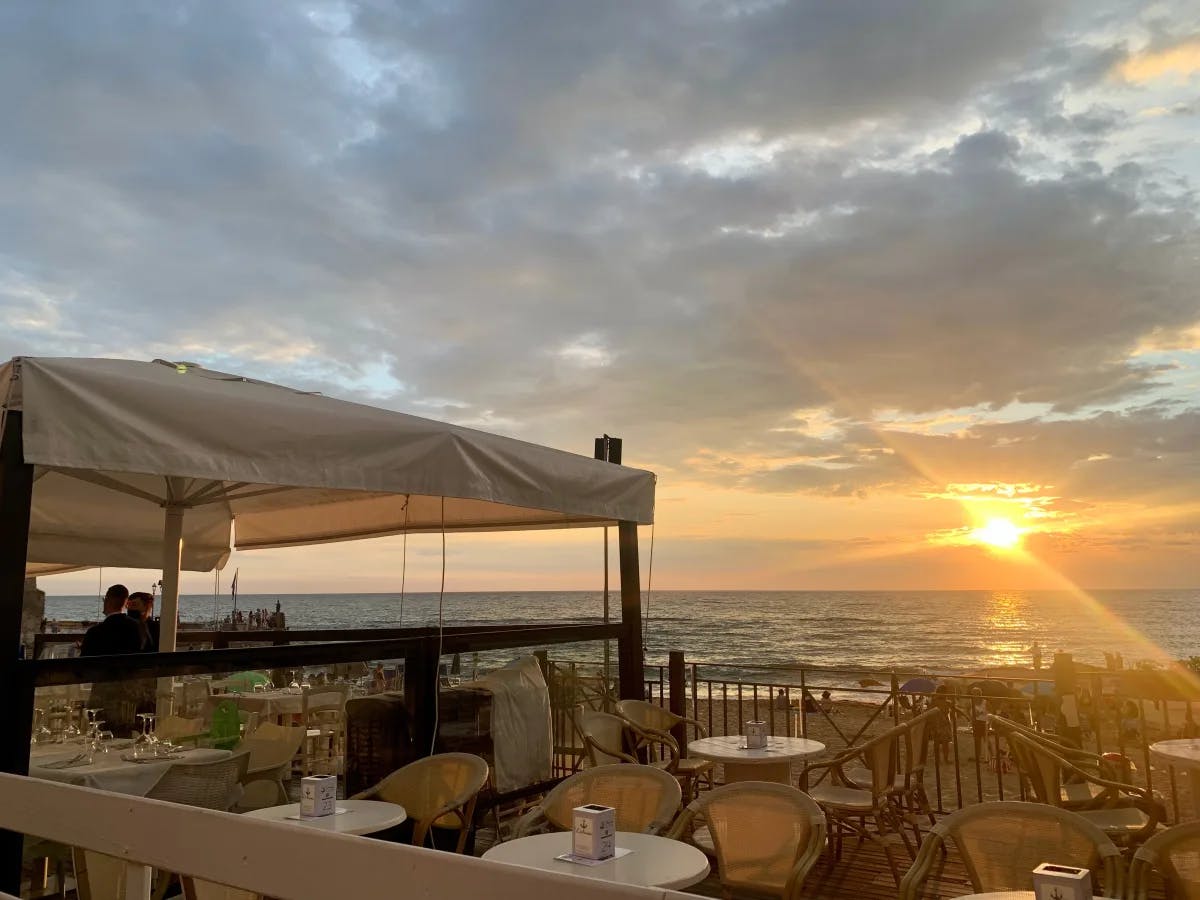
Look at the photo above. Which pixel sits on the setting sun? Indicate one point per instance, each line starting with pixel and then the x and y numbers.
pixel 999 533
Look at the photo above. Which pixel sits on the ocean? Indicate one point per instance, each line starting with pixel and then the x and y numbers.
pixel 939 631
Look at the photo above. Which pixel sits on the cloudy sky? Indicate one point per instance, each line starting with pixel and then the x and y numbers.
pixel 854 278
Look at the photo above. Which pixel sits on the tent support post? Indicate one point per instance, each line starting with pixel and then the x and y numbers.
pixel 629 645
pixel 16 700
pixel 172 553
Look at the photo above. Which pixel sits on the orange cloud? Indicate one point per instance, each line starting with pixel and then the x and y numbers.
pixel 1181 59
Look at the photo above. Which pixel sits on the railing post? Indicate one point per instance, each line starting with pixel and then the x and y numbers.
pixel 421 692
pixel 677 684
pixel 16 700
pixel 629 645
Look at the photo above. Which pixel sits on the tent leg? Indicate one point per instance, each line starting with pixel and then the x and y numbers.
pixel 172 552
pixel 16 700
pixel 629 645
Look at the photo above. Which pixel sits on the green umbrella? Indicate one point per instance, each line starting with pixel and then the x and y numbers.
pixel 245 681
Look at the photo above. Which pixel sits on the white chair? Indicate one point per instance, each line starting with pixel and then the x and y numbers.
pixel 324 716
pixel 272 748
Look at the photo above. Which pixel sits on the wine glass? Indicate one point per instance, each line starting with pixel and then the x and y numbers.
pixel 41 734
pixel 146 738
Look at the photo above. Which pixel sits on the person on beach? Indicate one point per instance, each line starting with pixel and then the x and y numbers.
pixel 943 725
pixel 979 726
pixel 781 700
pixel 826 702
pixel 810 703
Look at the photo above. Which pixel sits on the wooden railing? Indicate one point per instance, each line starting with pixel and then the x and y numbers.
pixel 261 856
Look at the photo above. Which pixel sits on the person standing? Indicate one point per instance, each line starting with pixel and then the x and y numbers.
pixel 979 725
pixel 140 608
pixel 117 633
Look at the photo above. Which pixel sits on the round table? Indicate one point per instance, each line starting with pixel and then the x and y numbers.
pixel 654 862
pixel 772 763
pixel 360 816
pixel 1182 753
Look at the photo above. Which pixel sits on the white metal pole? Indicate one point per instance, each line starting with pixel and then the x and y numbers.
pixel 172 558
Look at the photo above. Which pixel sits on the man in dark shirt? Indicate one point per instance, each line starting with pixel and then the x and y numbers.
pixel 117 633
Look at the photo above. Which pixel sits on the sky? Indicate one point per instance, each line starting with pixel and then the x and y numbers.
pixel 855 279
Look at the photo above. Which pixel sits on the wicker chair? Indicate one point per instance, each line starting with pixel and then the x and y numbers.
pixel 654 723
pixel 211 785
pixel 909 792
pixel 438 790
pixel 766 837
pixel 867 809
pixel 646 799
pixel 1126 813
pixel 1001 843
pixel 1175 854
pixel 272 748
pixel 606 738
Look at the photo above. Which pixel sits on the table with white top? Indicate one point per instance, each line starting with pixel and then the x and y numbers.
pixel 359 817
pixel 770 763
pixel 655 861
pixel 108 771
pixel 1007 895
pixel 269 705
pixel 1182 753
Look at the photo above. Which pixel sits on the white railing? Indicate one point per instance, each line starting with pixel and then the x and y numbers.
pixel 271 858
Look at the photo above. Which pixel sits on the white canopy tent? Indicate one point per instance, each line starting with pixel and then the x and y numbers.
pixel 145 463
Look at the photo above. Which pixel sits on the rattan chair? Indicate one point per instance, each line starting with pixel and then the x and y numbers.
pixel 868 807
pixel 766 837
pixel 654 723
pixel 1175 854
pixel 438 790
pixel 272 748
pixel 211 785
pixel 646 799
pixel 606 738
pixel 1002 842
pixel 1126 813
pixel 909 792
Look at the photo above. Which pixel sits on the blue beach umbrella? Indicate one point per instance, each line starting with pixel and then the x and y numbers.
pixel 919 686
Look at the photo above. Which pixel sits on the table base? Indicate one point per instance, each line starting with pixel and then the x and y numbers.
pixel 780 772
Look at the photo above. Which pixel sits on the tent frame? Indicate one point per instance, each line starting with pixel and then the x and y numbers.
pixel 19 677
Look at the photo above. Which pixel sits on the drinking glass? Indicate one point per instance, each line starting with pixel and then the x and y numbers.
pixel 41 734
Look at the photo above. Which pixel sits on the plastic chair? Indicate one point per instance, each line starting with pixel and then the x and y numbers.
pixel 97 875
pixel 1126 813
pixel 1001 843
pixel 438 790
pixel 211 785
pixel 324 715
pixel 1175 854
pixel 226 726
pixel 655 722
pixel 272 748
pixel 766 837
pixel 867 809
pixel 646 799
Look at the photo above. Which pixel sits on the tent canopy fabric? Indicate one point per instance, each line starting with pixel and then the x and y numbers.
pixel 114 443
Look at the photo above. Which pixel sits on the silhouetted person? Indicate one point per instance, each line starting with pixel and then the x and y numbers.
pixel 117 633
pixel 140 609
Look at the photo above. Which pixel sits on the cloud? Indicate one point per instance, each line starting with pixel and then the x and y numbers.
pixel 1179 60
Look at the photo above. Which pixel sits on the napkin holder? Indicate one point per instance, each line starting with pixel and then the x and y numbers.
pixel 318 796
pixel 1054 882
pixel 756 735
pixel 594 835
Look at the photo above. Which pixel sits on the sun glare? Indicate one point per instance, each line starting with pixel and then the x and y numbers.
pixel 999 533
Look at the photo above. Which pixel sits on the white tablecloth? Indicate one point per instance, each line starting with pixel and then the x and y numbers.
pixel 109 772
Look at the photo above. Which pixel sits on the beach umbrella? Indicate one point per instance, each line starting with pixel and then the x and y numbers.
pixel 990 687
pixel 245 681
pixel 919 686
